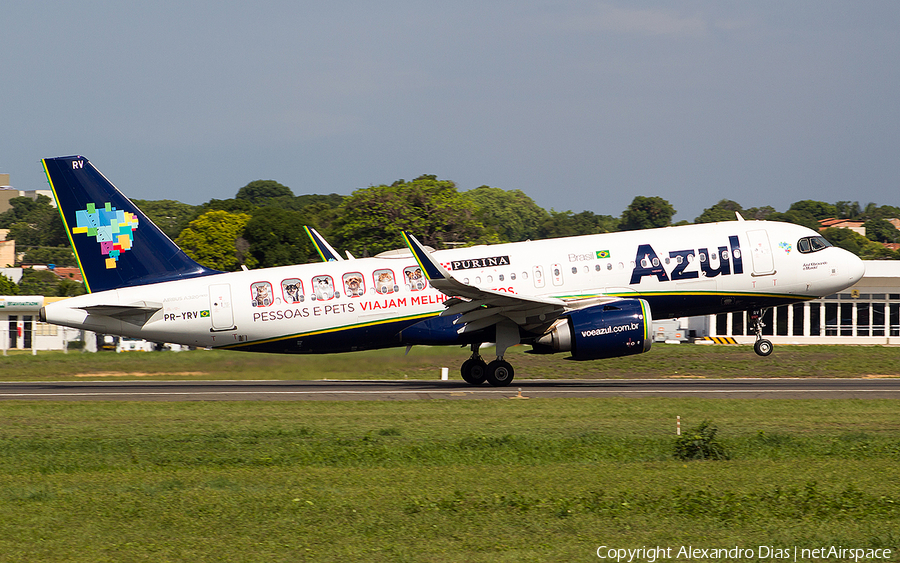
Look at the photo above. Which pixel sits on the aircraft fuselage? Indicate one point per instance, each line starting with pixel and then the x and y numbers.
pixel 373 302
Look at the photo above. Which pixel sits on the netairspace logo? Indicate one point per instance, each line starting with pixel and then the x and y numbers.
pixel 689 552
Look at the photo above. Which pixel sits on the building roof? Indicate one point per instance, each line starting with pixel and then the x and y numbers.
pixel 882 268
pixel 840 223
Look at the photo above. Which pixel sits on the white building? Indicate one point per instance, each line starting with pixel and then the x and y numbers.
pixel 21 330
pixel 866 313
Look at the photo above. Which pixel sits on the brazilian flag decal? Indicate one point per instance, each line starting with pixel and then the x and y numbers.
pixel 603 254
pixel 204 313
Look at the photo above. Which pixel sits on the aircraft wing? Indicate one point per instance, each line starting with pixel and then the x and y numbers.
pixel 481 308
pixel 324 249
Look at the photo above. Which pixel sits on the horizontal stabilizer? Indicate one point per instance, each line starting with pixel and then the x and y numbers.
pixel 118 311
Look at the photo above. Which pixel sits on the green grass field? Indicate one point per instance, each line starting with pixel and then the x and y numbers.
pixel 492 480
pixel 499 480
pixel 425 363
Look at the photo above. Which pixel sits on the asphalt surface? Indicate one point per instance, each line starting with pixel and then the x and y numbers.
pixel 425 390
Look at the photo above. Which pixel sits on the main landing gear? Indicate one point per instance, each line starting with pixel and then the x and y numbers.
pixel 762 347
pixel 475 371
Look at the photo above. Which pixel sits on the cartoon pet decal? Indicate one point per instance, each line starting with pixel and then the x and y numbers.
pixel 262 294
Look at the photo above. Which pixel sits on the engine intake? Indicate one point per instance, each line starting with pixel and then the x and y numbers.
pixel 618 328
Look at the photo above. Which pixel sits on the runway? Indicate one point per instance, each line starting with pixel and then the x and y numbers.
pixel 407 390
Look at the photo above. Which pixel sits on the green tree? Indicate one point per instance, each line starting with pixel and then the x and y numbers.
pixel 213 239
pixel 169 215
pixel 7 286
pixel 22 209
pixel 229 205
pixel 796 217
pixel 45 255
pixel 880 230
pixel 723 211
pixel 567 224
pixel 847 209
pixel 647 213
pixel 69 288
pixel 512 214
pixel 758 213
pixel 33 222
pixel 886 212
pixel 370 220
pixel 817 209
pixel 319 215
pixel 332 201
pixel 264 192
pixel 277 238
pixel 45 282
pixel 857 244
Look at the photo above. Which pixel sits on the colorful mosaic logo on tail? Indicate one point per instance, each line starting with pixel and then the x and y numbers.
pixel 113 229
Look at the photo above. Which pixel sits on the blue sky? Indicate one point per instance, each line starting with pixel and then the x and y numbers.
pixel 581 105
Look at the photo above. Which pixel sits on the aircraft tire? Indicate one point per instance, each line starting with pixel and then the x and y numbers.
pixel 500 373
pixel 763 347
pixel 474 371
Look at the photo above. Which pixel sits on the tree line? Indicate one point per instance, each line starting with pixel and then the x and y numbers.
pixel 262 225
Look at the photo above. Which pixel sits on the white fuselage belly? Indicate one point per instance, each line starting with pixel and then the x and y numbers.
pixel 722 266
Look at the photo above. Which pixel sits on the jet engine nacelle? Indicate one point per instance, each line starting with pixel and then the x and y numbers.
pixel 618 328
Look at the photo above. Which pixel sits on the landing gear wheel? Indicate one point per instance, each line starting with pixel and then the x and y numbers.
pixel 499 373
pixel 762 347
pixel 474 371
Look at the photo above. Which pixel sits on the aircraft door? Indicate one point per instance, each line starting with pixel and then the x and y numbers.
pixel 763 261
pixel 220 311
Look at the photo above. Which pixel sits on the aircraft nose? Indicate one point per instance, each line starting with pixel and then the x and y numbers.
pixel 856 269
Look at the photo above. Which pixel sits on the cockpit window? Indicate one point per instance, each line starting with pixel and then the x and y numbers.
pixel 812 244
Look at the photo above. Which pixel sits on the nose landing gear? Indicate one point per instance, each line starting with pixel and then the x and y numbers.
pixel 762 347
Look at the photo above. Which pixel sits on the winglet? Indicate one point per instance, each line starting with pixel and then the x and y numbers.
pixel 326 252
pixel 431 267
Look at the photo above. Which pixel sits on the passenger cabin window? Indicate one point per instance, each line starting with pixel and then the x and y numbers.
pixel 807 245
pixel 538 273
pixel 415 281
pixel 261 293
pixel 292 290
pixel 323 288
pixel 384 281
pixel 556 269
pixel 354 286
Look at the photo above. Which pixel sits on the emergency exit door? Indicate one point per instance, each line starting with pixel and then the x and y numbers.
pixel 220 311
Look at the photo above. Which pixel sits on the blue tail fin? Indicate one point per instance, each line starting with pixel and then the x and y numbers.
pixel 116 245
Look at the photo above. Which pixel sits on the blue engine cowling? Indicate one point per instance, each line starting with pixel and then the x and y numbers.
pixel 617 328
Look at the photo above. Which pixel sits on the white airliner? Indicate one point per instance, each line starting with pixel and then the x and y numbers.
pixel 592 296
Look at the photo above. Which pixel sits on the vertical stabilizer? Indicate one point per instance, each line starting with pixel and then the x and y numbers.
pixel 116 245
